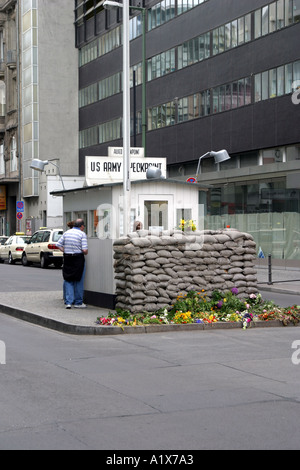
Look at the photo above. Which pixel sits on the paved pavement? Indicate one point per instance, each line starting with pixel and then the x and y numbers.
pixel 47 308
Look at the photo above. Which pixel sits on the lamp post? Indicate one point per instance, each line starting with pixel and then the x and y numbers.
pixel 126 104
pixel 126 120
pixel 39 165
pixel 108 4
pixel 144 124
pixel 112 4
pixel 220 156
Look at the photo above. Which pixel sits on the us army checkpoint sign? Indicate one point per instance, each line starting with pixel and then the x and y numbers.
pixel 100 170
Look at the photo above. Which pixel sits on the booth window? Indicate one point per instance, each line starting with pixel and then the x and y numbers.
pixel 156 215
pixel 68 218
pixel 83 216
pixel 94 220
pixel 102 223
pixel 183 214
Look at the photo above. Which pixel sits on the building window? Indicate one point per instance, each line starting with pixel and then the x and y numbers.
pixel 161 64
pixel 293 153
pixel 161 13
pixel 276 82
pixel 99 134
pixel 2 162
pixel 2 98
pixel 272 156
pixel 275 16
pixel 13 155
pixel 194 51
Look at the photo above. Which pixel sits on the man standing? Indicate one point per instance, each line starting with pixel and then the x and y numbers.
pixel 74 245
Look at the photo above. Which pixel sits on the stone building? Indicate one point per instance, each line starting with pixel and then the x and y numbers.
pixel 38 109
pixel 9 117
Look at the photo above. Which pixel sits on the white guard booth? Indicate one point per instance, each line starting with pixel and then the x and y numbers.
pixel 159 204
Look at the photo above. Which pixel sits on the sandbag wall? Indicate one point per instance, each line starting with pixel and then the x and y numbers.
pixel 152 270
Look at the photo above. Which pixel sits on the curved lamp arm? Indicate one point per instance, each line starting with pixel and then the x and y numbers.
pixel 220 156
pixel 199 163
pixel 39 165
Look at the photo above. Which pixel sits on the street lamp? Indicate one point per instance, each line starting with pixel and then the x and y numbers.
pixel 39 165
pixel 108 4
pixel 144 124
pixel 111 5
pixel 220 156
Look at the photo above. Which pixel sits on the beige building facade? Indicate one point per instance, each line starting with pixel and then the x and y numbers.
pixel 38 110
pixel 9 117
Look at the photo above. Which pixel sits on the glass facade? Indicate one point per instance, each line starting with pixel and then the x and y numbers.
pixel 266 209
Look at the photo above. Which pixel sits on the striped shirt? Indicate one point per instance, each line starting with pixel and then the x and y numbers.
pixel 73 241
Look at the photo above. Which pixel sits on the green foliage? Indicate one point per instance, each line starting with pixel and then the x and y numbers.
pixel 197 307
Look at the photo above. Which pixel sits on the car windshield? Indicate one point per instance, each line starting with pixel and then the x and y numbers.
pixel 22 239
pixel 57 235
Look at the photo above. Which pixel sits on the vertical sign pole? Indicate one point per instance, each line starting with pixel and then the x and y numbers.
pixel 126 119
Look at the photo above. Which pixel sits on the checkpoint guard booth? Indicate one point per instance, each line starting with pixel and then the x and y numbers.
pixel 160 204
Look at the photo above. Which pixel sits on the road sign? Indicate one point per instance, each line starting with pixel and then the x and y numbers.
pixel 100 170
pixel 19 215
pixel 191 180
pixel 20 206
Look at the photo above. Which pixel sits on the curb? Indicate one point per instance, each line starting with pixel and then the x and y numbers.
pixel 274 289
pixel 99 330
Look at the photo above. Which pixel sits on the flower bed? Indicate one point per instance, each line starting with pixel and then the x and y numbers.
pixel 196 307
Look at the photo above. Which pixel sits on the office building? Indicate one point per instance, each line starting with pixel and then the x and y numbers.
pixel 219 75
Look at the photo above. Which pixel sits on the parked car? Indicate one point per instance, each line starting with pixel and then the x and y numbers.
pixel 3 239
pixel 13 248
pixel 42 249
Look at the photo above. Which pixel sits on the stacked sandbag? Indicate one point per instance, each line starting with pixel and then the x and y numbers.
pixel 151 270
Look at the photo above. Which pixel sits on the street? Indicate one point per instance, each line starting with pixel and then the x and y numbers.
pixel 219 389
pixel 227 389
pixel 17 278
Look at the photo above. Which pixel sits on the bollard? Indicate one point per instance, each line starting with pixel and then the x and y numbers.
pixel 270 269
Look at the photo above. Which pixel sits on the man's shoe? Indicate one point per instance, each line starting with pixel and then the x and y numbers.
pixel 68 306
pixel 80 306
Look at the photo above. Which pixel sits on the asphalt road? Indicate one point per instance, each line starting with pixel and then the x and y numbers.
pixel 223 389
pixel 17 278
pixel 284 300
pixel 189 391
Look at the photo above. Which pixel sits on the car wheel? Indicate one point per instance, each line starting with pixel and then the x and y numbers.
pixel 10 259
pixel 44 263
pixel 25 261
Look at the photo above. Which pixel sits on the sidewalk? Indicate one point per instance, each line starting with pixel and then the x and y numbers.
pixel 283 280
pixel 47 308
